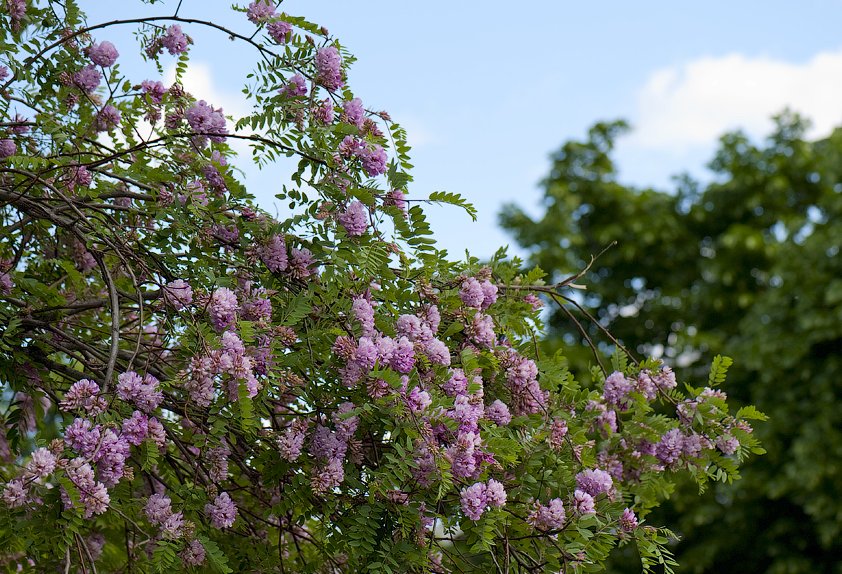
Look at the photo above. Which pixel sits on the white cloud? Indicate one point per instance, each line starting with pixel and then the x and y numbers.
pixel 199 81
pixel 417 133
pixel 687 106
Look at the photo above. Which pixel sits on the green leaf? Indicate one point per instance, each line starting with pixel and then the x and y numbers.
pixel 718 369
pixel 216 558
pixel 454 199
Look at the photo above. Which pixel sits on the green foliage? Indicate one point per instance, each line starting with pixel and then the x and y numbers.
pixel 747 264
pixel 188 384
pixel 718 369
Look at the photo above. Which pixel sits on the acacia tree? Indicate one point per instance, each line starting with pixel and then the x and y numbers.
pixel 191 384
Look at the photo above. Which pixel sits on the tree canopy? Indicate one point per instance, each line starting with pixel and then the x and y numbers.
pixel 192 385
pixel 747 262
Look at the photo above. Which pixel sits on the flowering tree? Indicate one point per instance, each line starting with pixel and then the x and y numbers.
pixel 190 384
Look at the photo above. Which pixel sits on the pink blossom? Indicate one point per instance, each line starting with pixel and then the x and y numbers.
pixel 594 481
pixel 193 554
pixel 274 254
pixel 473 500
pixel 329 67
pixel 222 511
pixel 104 54
pixel 84 395
pixel 498 413
pixel 549 517
pixel 280 31
pixel 42 464
pixel 354 219
pixel 174 40
pixel 495 493
pixel 260 11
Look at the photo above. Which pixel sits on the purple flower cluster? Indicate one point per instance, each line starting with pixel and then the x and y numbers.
pixel 222 511
pixel 583 503
pixel 107 118
pixel 533 301
pixel 280 31
pixel 17 10
pixel 329 448
pixel 258 309
pixel 142 391
pixel 606 419
pixel 456 384
pixel 295 86
pixel 88 78
pixel 274 254
pixel 302 263
pixel 373 158
pixel 93 495
pixel 260 11
pixel 464 454
pixel 558 430
pixel 292 441
pixel 84 395
pixel 628 521
pixel 7 148
pixel 616 390
pixel 727 444
pixel 323 113
pixel 467 410
pixel 498 413
pixel 40 465
pixel 158 510
pixel 6 282
pixel 233 360
pixel 223 308
pixel 522 381
pixel 481 331
pixel 193 554
pixel 155 90
pixel 354 112
pixel 363 312
pixel 475 499
pixel 354 219
pixel 476 294
pixel 674 445
pixel 136 428
pixel 329 68
pixel 233 365
pixel 396 198
pixel 216 460
pixel 207 122
pixel 104 54
pixel 418 400
pixel 212 173
pixel 549 517
pixel 80 177
pixel 174 40
pixel 594 481
pixel 402 356
pixel 83 258
pixel 664 379
pixel 15 494
pixel 177 294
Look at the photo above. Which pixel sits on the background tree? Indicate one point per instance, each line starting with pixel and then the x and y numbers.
pixel 750 263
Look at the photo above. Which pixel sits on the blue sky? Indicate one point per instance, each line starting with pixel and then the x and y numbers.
pixel 487 90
